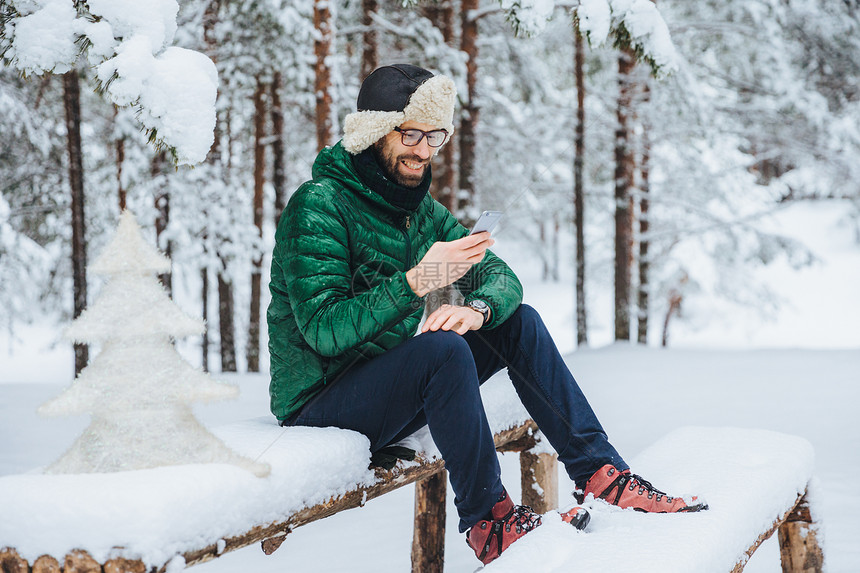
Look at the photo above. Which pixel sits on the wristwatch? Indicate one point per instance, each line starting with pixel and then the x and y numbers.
pixel 481 307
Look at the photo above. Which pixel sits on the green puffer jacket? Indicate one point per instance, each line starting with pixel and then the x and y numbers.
pixel 338 284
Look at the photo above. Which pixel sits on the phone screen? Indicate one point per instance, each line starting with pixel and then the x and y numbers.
pixel 486 222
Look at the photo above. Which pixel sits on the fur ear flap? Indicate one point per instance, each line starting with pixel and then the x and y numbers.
pixel 364 128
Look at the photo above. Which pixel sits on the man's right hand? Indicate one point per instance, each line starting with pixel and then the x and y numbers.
pixel 445 262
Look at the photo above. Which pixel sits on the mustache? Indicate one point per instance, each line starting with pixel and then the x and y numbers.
pixel 414 159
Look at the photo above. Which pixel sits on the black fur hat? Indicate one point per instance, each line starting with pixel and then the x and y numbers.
pixel 394 94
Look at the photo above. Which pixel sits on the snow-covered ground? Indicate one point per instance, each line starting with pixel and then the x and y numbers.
pixel 796 374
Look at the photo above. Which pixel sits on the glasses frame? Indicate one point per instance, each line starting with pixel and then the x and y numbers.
pixel 424 134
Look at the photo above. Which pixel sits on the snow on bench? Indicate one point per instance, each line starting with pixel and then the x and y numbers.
pixel 754 480
pixel 166 518
pixel 169 517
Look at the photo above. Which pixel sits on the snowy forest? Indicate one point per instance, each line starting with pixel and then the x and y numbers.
pixel 672 173
pixel 641 145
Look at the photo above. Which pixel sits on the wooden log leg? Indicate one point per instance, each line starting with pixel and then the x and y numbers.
pixel 11 562
pixel 798 542
pixel 80 562
pixel 120 565
pixel 46 564
pixel 539 478
pixel 428 538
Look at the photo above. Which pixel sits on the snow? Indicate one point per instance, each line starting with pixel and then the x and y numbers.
pixel 173 88
pixel 791 381
pixel 172 504
pixel 595 20
pixel 57 513
pixel 531 16
pixel 733 469
pixel 44 40
pixel 155 19
pixel 176 90
pixel 642 20
pixel 138 387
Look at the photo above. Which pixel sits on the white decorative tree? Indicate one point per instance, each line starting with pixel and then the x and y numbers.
pixel 138 389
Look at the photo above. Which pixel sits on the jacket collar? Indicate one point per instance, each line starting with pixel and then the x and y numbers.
pixel 336 163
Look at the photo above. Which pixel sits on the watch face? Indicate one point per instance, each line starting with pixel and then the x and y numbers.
pixel 479 305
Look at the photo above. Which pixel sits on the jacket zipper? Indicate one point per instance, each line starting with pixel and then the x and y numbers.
pixel 325 362
pixel 408 260
pixel 408 242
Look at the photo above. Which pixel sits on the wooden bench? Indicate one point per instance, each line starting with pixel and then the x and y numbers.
pixel 429 534
pixel 681 540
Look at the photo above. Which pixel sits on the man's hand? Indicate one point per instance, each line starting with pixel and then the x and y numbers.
pixel 460 319
pixel 445 262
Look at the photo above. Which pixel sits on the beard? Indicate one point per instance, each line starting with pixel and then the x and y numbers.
pixel 391 166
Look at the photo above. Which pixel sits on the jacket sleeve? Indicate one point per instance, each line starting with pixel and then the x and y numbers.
pixel 490 280
pixel 312 242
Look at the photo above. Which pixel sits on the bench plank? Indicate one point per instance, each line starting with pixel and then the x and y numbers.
pixel 752 479
pixel 777 524
pixel 733 467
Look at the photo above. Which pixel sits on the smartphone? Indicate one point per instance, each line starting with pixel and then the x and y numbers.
pixel 487 221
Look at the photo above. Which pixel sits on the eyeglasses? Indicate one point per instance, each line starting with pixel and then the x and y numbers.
pixel 412 137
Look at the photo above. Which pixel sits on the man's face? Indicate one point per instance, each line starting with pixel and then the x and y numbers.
pixel 404 165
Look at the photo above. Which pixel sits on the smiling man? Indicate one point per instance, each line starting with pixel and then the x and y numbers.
pixel 357 250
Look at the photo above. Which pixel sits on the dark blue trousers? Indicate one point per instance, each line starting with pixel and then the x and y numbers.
pixel 434 379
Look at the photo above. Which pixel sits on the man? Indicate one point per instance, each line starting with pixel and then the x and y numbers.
pixel 358 248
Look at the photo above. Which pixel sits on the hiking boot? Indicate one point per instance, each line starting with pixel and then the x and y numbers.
pixel 625 489
pixel 489 537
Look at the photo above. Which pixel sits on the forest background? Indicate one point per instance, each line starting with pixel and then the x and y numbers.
pixel 652 171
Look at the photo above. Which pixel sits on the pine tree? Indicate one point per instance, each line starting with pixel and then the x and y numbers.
pixel 138 389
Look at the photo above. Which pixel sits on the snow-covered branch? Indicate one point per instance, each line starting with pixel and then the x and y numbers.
pixel 129 45
pixel 634 24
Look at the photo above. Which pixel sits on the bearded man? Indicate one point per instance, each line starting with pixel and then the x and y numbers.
pixel 358 248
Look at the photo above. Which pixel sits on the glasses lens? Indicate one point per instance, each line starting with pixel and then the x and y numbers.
pixel 410 136
pixel 436 138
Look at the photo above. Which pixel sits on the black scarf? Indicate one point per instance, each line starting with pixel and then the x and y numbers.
pixel 372 175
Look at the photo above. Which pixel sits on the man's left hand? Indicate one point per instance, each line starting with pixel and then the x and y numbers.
pixel 460 319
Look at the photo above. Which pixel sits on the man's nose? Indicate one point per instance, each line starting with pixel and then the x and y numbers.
pixel 423 149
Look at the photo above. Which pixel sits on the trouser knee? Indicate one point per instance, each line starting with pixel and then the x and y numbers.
pixel 450 352
pixel 525 321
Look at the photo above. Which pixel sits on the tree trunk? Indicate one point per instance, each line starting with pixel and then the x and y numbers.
pixel 253 349
pixel 444 168
pixel 204 296
pixel 119 146
pixel 675 300
pixel 226 325
pixel 624 172
pixel 225 321
pixel 322 73
pixel 556 247
pixel 279 179
pixel 72 104
pixel 369 40
pixel 543 249
pixel 579 188
pixel 210 20
pixel 642 299
pixel 158 171
pixel 469 112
